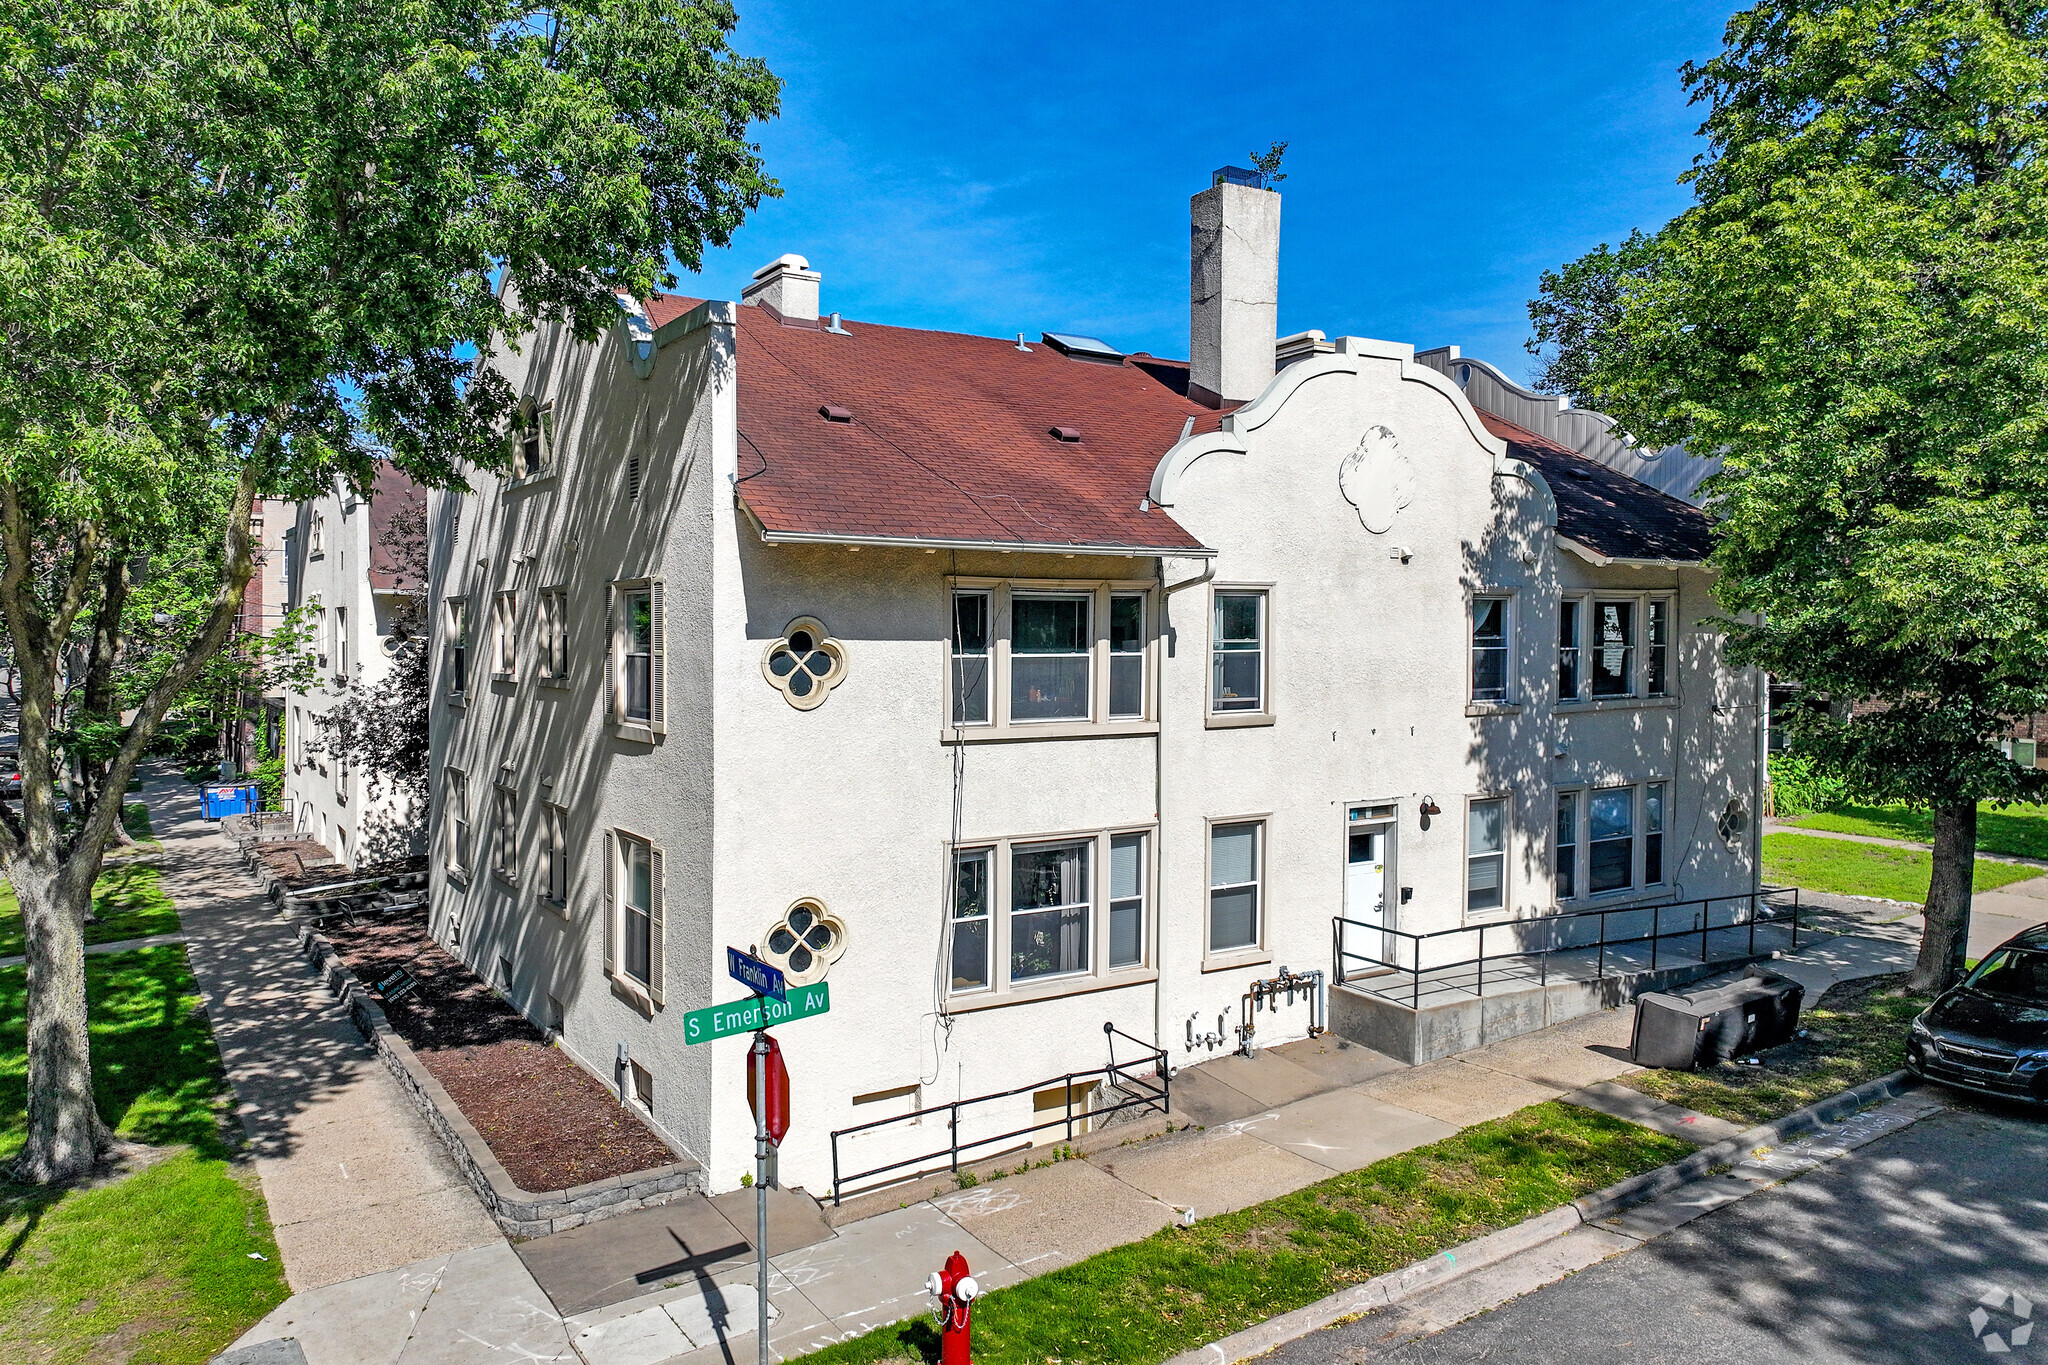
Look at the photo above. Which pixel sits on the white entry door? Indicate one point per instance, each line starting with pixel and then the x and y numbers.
pixel 1367 839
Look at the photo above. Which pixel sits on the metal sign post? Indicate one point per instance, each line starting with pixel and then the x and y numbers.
pixel 761 1185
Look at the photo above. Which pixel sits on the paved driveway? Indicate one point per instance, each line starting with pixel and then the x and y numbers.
pixel 1882 1256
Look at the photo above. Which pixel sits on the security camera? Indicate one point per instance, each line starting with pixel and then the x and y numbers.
pixel 966 1290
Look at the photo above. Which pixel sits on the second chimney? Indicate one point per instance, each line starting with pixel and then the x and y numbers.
pixel 788 286
pixel 1233 287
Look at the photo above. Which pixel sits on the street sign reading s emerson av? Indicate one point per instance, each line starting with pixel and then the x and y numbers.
pixel 756 975
pixel 744 1016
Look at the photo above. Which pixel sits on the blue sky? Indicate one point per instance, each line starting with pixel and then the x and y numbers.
pixel 1006 168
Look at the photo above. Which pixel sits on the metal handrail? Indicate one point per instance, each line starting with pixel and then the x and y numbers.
pixel 1757 902
pixel 1153 1091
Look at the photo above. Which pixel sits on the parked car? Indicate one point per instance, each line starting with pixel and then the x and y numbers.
pixel 1990 1033
pixel 10 784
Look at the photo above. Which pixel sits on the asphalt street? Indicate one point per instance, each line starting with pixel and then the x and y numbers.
pixel 1880 1256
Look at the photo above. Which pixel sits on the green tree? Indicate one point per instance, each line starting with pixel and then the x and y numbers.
pixel 1854 312
pixel 253 250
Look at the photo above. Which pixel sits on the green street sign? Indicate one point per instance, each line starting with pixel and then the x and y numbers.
pixel 744 1016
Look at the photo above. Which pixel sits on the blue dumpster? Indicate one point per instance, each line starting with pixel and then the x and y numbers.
pixel 217 802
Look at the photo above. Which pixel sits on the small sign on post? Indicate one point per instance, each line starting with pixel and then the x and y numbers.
pixel 756 975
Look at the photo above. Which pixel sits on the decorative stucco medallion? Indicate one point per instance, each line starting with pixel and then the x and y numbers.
pixel 805 664
pixel 1377 479
pixel 804 942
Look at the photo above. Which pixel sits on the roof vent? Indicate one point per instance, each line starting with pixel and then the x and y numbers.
pixel 1068 434
pixel 832 412
pixel 1084 348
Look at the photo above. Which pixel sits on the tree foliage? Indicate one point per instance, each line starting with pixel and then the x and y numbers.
pixel 254 249
pixel 1854 313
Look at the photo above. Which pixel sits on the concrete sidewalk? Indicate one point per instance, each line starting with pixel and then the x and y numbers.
pixel 356 1182
pixel 674 1285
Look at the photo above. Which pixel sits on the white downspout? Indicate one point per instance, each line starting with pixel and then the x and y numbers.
pixel 1166 590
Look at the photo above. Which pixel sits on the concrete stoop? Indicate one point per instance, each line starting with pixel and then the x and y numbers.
pixel 1450 1022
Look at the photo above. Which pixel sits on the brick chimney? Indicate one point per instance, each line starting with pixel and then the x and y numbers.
pixel 1233 287
pixel 788 286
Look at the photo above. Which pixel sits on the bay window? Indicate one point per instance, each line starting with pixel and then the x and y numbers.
pixel 1037 898
pixel 1611 839
pixel 1047 658
pixel 1611 647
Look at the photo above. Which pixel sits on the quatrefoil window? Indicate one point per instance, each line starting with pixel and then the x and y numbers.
pixel 805 664
pixel 805 942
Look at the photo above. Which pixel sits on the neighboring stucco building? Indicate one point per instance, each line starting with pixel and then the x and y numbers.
pixel 347 569
pixel 1063 695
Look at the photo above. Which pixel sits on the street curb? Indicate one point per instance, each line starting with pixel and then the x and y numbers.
pixel 1384 1291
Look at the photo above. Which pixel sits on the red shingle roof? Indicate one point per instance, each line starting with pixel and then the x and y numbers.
pixel 950 438
pixel 1605 510
pixel 397 557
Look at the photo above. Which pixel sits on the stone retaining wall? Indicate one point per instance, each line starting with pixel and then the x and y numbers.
pixel 520 1213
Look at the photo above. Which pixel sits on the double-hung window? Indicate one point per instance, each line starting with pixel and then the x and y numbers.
pixel 635 681
pixel 1237 664
pixel 1049 903
pixel 1653 833
pixel 1486 854
pixel 533 441
pixel 1127 656
pixel 1568 654
pixel 1051 639
pixel 1657 613
pixel 457 818
pixel 971 658
pixel 633 912
pixel 1127 900
pixel 1489 649
pixel 1236 865
pixel 555 854
pixel 553 655
pixel 505 833
pixel 341 642
pixel 1611 839
pixel 1614 648
pixel 1567 845
pixel 505 637
pixel 1022 915
pixel 458 647
pixel 972 912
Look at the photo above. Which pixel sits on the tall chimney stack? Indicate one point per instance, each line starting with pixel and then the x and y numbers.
pixel 1233 287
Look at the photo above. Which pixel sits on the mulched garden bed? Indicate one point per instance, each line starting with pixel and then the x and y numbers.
pixel 548 1121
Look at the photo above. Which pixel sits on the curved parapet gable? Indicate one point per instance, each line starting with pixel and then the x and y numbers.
pixel 1344 359
pixel 1671 470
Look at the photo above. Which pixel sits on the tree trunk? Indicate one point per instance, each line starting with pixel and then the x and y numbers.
pixel 1946 937
pixel 65 1133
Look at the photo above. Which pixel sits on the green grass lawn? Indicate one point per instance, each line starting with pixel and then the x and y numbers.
pixel 128 900
pixel 156 1265
pixel 2021 830
pixel 1898 874
pixel 1855 1033
pixel 1182 1287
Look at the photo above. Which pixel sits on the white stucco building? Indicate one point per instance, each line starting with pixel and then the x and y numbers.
pixel 345 571
pixel 1072 687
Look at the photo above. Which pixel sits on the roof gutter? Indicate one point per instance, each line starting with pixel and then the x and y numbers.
pixel 1006 546
pixel 1595 558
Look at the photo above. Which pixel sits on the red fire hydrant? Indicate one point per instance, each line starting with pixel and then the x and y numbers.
pixel 955 1291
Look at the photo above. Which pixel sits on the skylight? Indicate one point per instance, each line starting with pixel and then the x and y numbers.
pixel 1085 348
